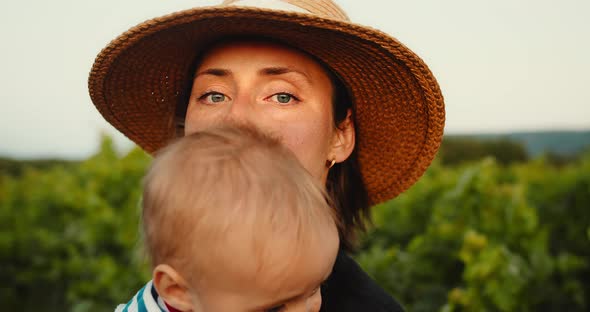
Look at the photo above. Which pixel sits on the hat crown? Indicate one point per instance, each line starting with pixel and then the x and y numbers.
pixel 320 8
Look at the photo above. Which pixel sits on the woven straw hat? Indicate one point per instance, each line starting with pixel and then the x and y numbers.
pixel 141 78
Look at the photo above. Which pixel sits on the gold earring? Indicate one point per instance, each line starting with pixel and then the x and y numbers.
pixel 330 164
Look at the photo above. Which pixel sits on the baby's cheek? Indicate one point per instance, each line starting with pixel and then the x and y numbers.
pixel 314 302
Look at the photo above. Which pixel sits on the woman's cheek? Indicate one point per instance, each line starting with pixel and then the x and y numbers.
pixel 309 144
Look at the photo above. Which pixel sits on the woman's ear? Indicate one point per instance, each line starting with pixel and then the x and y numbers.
pixel 172 288
pixel 344 139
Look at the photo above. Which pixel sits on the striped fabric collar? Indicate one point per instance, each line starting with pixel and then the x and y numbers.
pixel 146 300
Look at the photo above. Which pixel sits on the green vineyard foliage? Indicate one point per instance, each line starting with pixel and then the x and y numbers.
pixel 486 237
pixel 69 234
pixel 482 236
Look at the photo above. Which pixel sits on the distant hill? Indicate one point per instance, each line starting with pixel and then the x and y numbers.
pixel 565 143
pixel 561 143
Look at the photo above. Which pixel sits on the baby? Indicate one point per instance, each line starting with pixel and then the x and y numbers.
pixel 232 222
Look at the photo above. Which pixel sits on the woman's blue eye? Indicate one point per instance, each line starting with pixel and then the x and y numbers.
pixel 216 97
pixel 213 97
pixel 283 98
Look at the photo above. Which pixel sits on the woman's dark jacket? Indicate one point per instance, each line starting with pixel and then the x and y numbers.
pixel 350 289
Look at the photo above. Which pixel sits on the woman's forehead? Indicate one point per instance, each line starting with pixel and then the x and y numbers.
pixel 259 53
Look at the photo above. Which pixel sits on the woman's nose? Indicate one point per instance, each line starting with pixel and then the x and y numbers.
pixel 241 109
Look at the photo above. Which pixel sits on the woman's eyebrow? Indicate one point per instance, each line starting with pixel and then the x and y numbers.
pixel 275 71
pixel 219 72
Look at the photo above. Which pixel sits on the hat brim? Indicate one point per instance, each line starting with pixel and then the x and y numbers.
pixel 141 77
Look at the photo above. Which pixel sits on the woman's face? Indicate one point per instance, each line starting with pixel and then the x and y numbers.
pixel 280 90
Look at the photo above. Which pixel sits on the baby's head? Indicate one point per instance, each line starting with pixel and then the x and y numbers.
pixel 233 222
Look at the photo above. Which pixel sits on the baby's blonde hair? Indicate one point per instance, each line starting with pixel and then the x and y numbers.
pixel 204 186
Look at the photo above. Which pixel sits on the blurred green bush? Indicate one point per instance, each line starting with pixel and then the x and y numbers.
pixel 69 234
pixel 482 236
pixel 486 237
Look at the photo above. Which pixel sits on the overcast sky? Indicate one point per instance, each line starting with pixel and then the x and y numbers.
pixel 503 65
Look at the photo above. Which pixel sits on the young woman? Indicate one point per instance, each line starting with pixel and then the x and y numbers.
pixel 362 112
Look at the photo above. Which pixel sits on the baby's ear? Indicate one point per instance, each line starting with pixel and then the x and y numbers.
pixel 172 288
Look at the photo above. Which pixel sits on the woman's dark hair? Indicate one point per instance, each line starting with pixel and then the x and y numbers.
pixel 344 184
